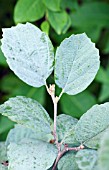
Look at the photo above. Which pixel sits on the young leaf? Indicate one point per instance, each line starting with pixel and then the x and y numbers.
pixel 86 159
pixel 66 128
pixel 31 155
pixel 27 112
pixel 29 53
pixel 92 123
pixel 26 10
pixel 68 162
pixel 45 27
pixel 20 132
pixel 76 64
pixel 60 21
pixel 53 5
pixel 103 160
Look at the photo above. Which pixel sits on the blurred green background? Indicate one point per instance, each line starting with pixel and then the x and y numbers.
pixel 59 19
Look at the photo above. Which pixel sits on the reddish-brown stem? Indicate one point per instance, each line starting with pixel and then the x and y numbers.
pixel 66 149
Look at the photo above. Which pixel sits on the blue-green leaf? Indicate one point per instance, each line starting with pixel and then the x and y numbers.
pixel 29 53
pixel 103 159
pixel 94 122
pixel 27 112
pixel 31 155
pixel 68 162
pixel 86 159
pixel 66 128
pixel 20 132
pixel 76 64
pixel 3 155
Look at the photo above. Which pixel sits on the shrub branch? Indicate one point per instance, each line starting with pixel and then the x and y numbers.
pixel 55 99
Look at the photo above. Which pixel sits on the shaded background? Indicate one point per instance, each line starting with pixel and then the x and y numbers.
pixel 59 19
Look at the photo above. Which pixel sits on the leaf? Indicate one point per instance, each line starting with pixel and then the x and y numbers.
pixel 31 155
pixel 76 64
pixel 27 112
pixel 86 159
pixel 3 155
pixel 85 17
pixel 68 162
pixel 29 54
pixel 66 128
pixel 103 159
pixel 2 167
pixel 78 104
pixel 95 141
pixel 53 5
pixel 92 123
pixel 20 132
pixel 45 27
pixel 60 21
pixel 26 10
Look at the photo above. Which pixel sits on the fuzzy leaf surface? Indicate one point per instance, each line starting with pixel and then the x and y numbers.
pixel 29 53
pixel 86 159
pixel 27 112
pixel 66 128
pixel 31 155
pixel 2 167
pixel 3 155
pixel 76 63
pixel 94 143
pixel 103 160
pixel 93 123
pixel 20 132
pixel 68 162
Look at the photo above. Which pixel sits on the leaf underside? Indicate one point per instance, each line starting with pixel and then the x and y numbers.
pixel 76 63
pixel 29 53
pixel 94 122
pixel 27 112
pixel 31 155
